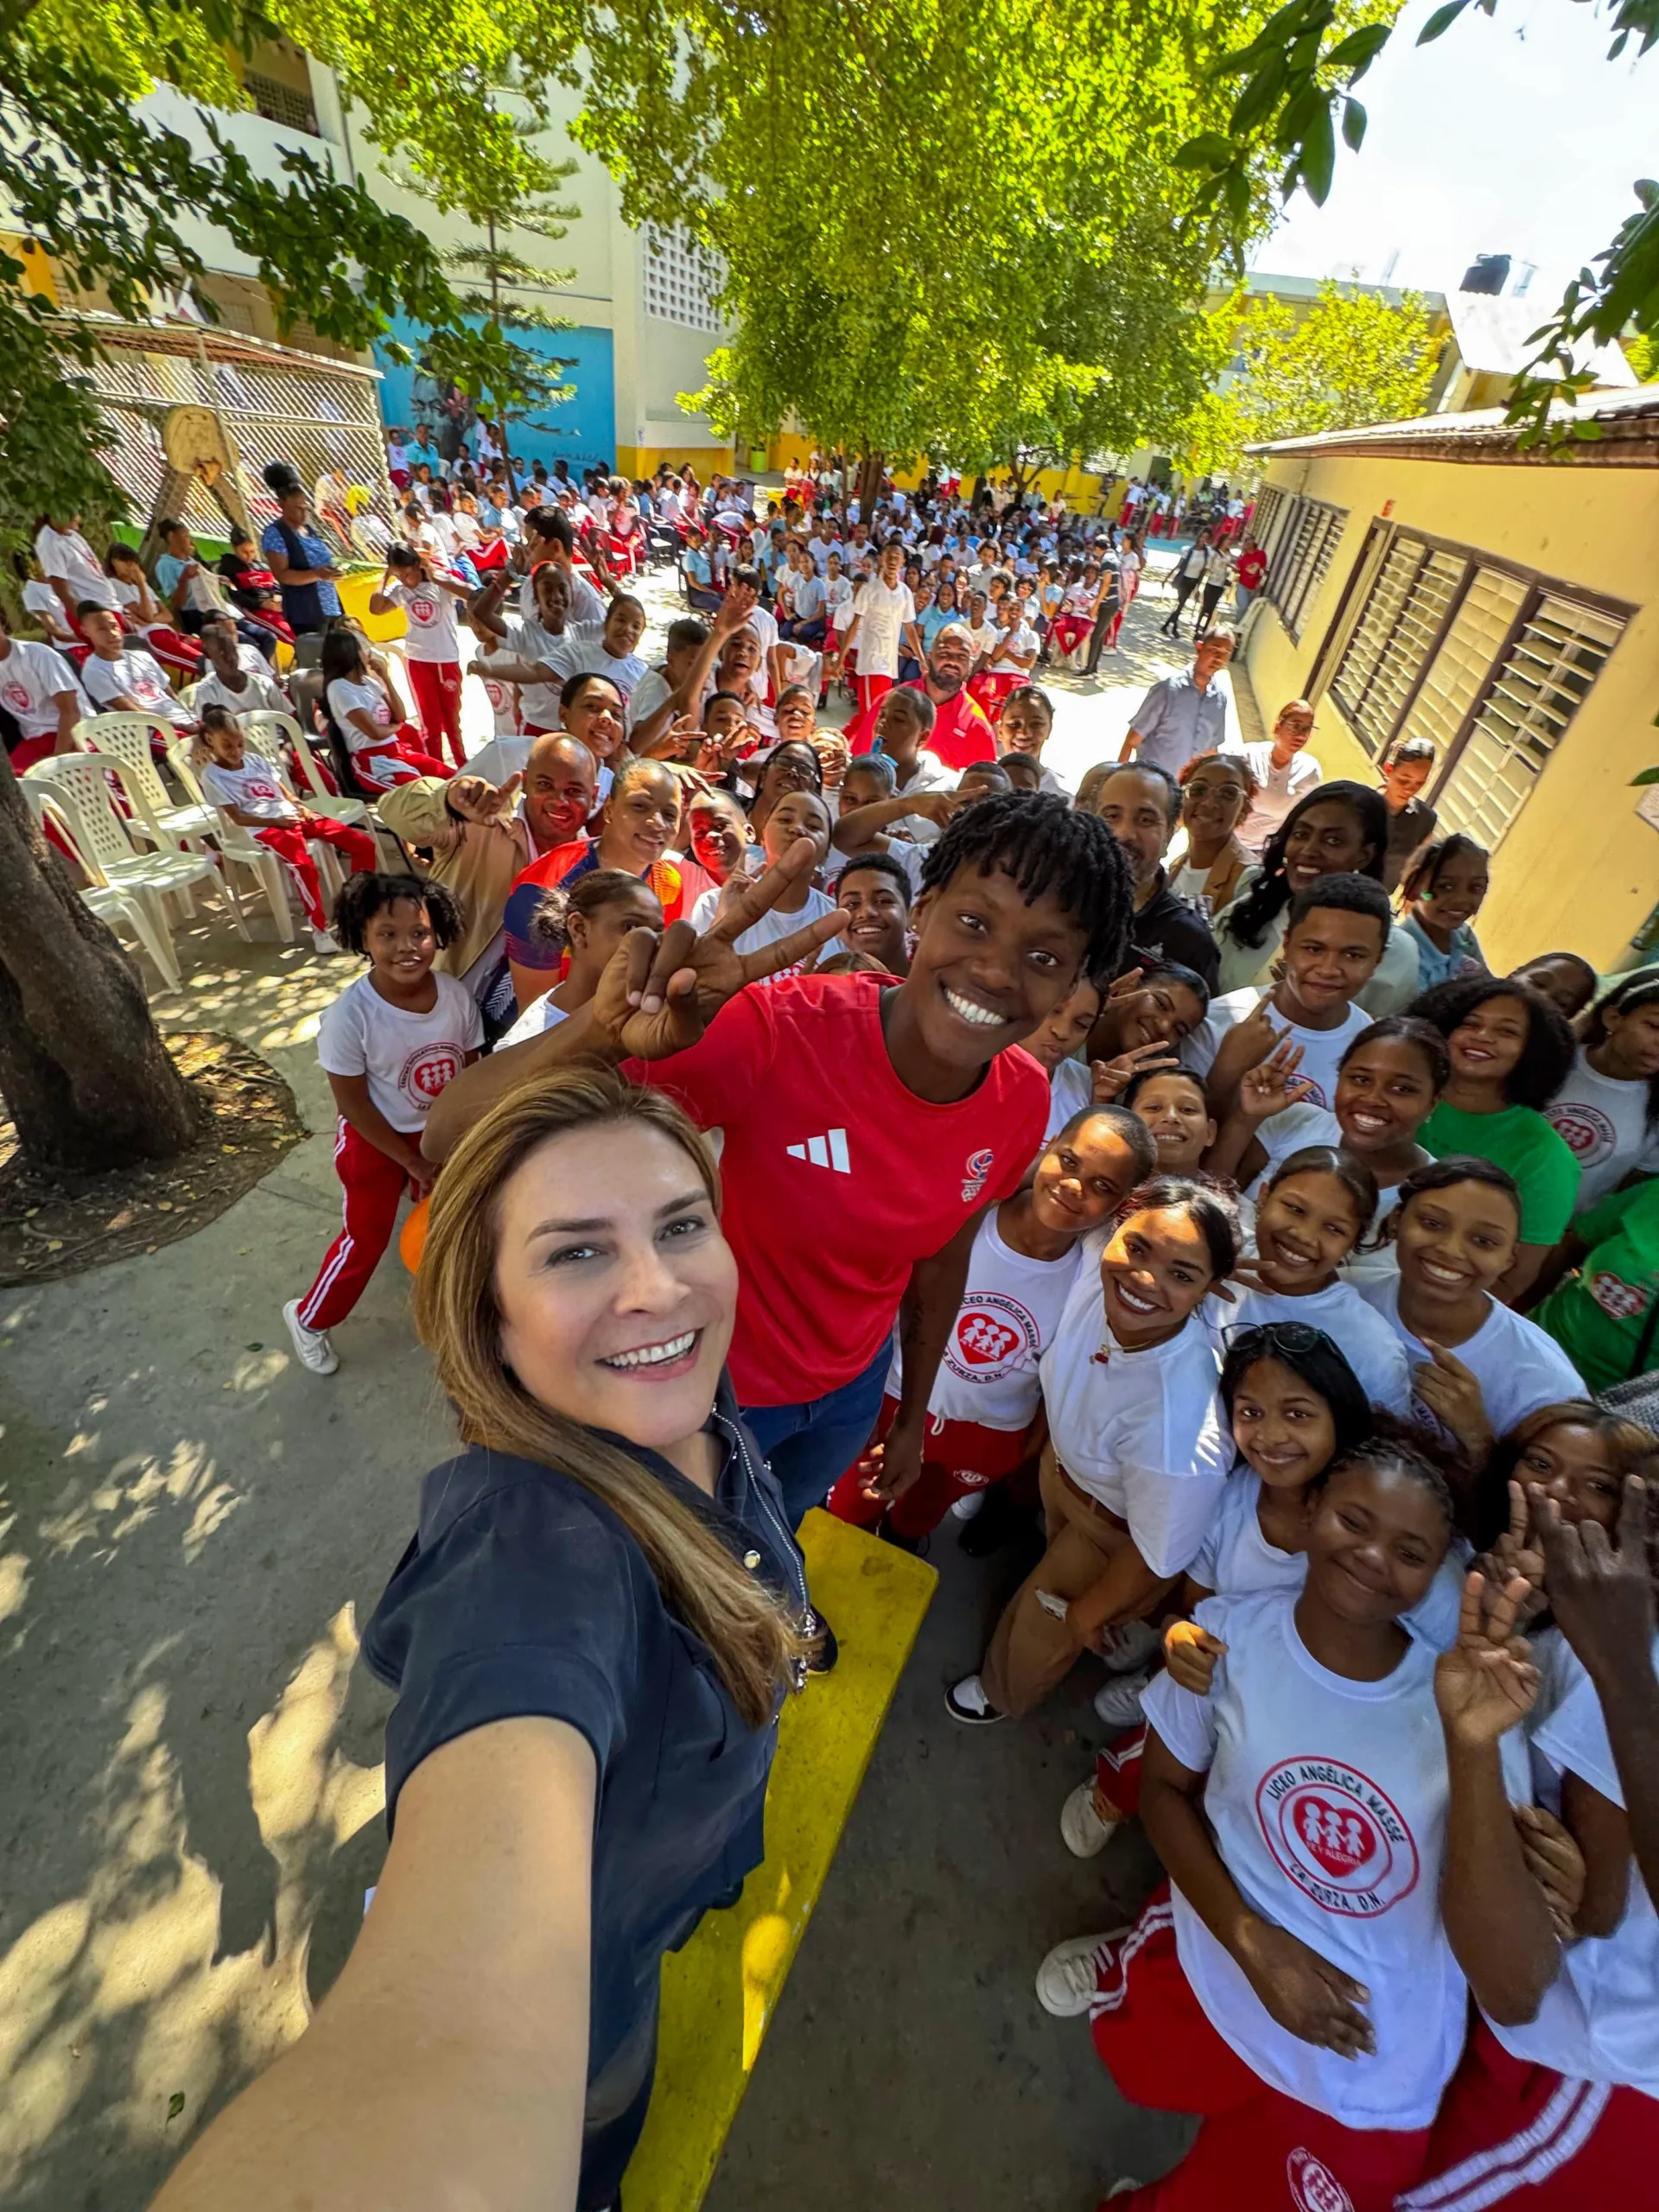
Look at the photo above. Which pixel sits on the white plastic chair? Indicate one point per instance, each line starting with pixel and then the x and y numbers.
pixel 237 845
pixel 126 739
pixel 132 909
pixel 263 727
pixel 78 785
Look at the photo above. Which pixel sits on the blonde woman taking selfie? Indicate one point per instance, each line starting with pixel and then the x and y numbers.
pixel 590 1635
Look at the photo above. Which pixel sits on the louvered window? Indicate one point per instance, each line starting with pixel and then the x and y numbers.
pixel 1391 642
pixel 1465 657
pixel 1532 694
pixel 1267 523
pixel 1302 559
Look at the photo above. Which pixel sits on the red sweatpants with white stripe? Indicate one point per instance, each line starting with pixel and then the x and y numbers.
pixel 374 1186
pixel 958 1456
pixel 870 689
pixel 289 841
pixel 1514 2134
pixel 437 686
pixel 1258 2150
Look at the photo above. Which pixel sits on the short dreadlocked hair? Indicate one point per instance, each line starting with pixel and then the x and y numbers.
pixel 1044 846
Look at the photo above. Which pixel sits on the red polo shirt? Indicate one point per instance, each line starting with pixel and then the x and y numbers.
pixel 961 734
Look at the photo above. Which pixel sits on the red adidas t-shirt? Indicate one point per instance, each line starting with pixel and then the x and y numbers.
pixel 837 1178
pixel 961 734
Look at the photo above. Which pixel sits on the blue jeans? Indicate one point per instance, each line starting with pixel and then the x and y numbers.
pixel 811 1445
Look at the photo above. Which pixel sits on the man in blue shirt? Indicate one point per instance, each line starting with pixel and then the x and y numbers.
pixel 1186 715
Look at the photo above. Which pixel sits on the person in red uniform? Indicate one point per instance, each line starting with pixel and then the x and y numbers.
pixel 962 732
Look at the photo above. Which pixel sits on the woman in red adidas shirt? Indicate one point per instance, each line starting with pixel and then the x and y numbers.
pixel 887 1116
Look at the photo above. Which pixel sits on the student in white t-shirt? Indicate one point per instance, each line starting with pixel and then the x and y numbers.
pixel 388 1045
pixel 1285 771
pixel 41 692
pixel 1139 1451
pixel 120 677
pixel 796 815
pixel 247 787
pixel 606 648
pixel 586 920
pixel 430 599
pixel 984 1415
pixel 881 608
pixel 1478 1367
pixel 1303 1984
pixel 1608 1109
pixel 71 567
pixel 1560 2111
pixel 1333 941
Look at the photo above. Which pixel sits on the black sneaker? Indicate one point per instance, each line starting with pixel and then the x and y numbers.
pixel 966 1701
pixel 820 1660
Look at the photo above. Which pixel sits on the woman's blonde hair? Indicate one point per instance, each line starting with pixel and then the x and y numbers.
pixel 753 1644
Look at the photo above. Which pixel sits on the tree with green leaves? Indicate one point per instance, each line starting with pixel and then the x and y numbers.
pixel 1354 357
pixel 1300 71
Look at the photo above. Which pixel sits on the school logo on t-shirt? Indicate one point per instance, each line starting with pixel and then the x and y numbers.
pixel 994 1334
pixel 1313 2187
pixel 1338 1837
pixel 1623 1300
pixel 978 1167
pixel 1589 1134
pixel 423 607
pixel 15 695
pixel 426 1071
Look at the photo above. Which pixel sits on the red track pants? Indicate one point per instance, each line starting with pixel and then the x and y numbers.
pixel 288 840
pixel 374 1186
pixel 958 1457
pixel 437 686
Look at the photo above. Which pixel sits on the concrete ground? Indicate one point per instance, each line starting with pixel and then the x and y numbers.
pixel 191 1529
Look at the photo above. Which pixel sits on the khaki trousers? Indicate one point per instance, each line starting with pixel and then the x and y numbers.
pixel 1032 1652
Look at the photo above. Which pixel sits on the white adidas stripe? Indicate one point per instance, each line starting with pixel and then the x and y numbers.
pixel 828 1151
pixel 1555 2138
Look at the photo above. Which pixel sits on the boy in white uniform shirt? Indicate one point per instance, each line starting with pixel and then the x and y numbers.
pixel 123 678
pixel 881 608
pixel 246 786
pixel 39 689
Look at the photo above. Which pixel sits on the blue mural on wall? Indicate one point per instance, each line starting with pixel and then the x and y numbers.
pixel 582 429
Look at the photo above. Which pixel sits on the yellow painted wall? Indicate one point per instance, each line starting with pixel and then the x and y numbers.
pixel 37 276
pixel 634 461
pixel 1579 869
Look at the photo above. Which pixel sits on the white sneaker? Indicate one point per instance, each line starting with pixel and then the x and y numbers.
pixel 966 1701
pixel 1082 1830
pixel 1070 1975
pixel 1117 1704
pixel 1131 1647
pixel 970 1504
pixel 311 1346
pixel 324 941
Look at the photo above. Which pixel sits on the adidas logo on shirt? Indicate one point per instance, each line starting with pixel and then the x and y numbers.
pixel 827 1151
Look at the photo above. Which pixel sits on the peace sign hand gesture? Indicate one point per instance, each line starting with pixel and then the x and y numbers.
pixel 1486 1682
pixel 1517 1552
pixel 1270 1088
pixel 658 993
pixel 1111 1078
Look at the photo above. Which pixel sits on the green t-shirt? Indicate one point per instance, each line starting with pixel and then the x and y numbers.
pixel 1598 1316
pixel 1524 1144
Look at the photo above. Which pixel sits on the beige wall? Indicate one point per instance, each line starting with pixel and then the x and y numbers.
pixel 1578 868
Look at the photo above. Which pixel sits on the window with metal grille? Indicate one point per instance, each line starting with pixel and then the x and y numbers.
pixel 1472 643
pixel 1302 559
pixel 1266 524
pixel 1553 653
pixel 1390 643
pixel 681 279
pixel 282 103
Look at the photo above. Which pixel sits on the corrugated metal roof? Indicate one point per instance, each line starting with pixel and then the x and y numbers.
pixel 1628 422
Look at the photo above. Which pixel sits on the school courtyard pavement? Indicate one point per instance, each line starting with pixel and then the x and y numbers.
pixel 193 1530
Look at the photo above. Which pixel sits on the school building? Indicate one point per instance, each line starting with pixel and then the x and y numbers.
pixel 1432 579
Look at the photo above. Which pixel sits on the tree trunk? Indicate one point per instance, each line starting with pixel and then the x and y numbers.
pixel 871 469
pixel 88 1082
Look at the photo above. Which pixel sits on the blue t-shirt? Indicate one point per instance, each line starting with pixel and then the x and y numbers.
pixel 522 1593
pixel 318 555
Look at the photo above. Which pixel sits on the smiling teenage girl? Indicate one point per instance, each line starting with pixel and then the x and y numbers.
pixel 1607 1111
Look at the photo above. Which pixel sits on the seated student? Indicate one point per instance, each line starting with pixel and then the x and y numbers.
pixel 1558 2110
pixel 917 1078
pixel 585 921
pixel 1333 940
pixel 181 656
pixel 1025 724
pixel 1138 1461
pixel 1171 1103
pixel 121 677
pixel 41 699
pixel 1337 829
pixel 640 819
pixel 1568 983
pixel 903 718
pixel 1387 1083
pixel 254 594
pixel 1304 1981
pixel 1206 857
pixel 800 817
pixel 984 1415
pixel 1443 889
pixel 372 746
pixel 243 785
pixel 873 891
pixel 1607 1111
pixel 237 676
pixel 1478 1368
pixel 1511 1053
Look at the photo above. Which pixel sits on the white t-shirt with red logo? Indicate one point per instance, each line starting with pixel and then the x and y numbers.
pixel 432 635
pixel 408 1057
pixel 1599 2019
pixel 1327 1798
pixel 838 1179
pixel 346 698
pixel 1140 1431
pixel 135 674
pixel 1322 1049
pixel 1605 1121
pixel 1010 1311
pixel 1519 1368
pixel 31 678
pixel 252 788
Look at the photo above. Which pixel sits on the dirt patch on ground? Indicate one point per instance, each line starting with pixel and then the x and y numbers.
pixel 57 1225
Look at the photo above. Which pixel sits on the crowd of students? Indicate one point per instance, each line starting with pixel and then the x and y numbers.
pixel 1189 1203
